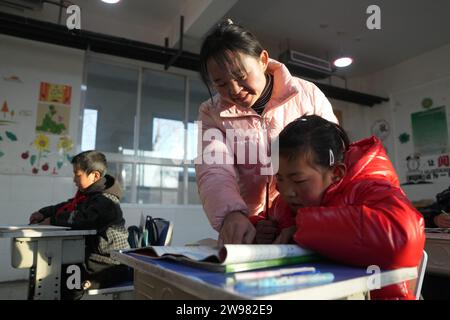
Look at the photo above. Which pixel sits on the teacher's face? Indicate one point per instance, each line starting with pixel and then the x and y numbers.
pixel 241 86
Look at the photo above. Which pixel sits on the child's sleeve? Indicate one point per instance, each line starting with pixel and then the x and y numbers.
pixel 381 228
pixel 98 214
pixel 51 210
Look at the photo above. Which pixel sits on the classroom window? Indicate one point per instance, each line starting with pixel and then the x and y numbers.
pixel 144 121
pixel 197 94
pixel 168 138
pixel 192 133
pixel 162 108
pixel 123 173
pixel 89 131
pixel 159 184
pixel 193 197
pixel 112 92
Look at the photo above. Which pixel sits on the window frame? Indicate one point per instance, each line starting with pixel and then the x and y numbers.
pixel 135 159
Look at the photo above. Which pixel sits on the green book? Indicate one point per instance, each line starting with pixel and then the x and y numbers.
pixel 230 258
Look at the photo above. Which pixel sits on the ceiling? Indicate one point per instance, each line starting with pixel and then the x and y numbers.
pixel 323 28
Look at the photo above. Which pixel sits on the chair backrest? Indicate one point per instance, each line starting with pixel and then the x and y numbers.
pixel 421 274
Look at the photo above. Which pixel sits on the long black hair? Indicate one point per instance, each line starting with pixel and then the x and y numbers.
pixel 322 142
pixel 222 44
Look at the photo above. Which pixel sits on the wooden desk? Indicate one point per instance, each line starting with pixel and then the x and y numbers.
pixel 437 245
pixel 44 251
pixel 162 279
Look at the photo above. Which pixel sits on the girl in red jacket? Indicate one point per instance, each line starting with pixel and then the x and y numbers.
pixel 343 201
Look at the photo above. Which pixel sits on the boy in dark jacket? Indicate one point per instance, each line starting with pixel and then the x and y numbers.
pixel 95 206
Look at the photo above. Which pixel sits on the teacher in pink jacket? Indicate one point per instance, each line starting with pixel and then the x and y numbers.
pixel 256 97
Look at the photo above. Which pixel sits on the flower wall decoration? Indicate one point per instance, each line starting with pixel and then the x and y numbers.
pixel 38 155
pixel 7 135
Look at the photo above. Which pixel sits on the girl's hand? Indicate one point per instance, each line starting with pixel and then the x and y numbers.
pixel 266 231
pixel 286 235
pixel 236 229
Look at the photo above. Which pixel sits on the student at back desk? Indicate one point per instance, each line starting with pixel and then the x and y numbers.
pixel 95 206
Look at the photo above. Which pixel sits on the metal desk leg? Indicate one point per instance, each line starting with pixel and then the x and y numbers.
pixel 31 282
pixel 48 269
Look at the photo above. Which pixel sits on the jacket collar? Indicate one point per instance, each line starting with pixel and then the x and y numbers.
pixel 283 89
pixel 106 184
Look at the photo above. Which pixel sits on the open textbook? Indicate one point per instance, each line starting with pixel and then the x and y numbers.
pixel 231 257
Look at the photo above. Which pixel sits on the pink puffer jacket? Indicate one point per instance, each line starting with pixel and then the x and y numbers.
pixel 232 182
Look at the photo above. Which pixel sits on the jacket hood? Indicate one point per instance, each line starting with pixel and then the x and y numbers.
pixel 367 159
pixel 107 184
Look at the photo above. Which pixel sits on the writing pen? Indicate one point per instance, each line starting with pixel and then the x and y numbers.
pixel 267 199
pixel 273 273
pixel 287 281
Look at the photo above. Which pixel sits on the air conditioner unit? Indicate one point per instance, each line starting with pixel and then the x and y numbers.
pixel 304 65
pixel 23 4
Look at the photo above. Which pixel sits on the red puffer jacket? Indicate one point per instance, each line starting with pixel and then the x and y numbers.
pixel 365 219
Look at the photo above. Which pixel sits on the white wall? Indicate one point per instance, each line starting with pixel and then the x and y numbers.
pixel 352 117
pixel 20 195
pixel 415 76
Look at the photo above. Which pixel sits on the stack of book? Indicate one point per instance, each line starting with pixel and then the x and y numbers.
pixel 231 257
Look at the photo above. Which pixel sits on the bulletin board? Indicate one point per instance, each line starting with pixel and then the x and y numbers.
pixel 35 138
pixel 421 118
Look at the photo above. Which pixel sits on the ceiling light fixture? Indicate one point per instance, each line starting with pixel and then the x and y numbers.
pixel 110 1
pixel 343 62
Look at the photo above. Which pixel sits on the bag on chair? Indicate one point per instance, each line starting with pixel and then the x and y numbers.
pixel 149 235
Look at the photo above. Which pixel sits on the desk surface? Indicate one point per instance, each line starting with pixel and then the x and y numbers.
pixel 41 232
pixel 212 285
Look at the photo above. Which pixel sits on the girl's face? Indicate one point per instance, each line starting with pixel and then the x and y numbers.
pixel 303 185
pixel 247 88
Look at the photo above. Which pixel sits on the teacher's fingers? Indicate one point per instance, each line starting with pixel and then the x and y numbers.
pixel 250 234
